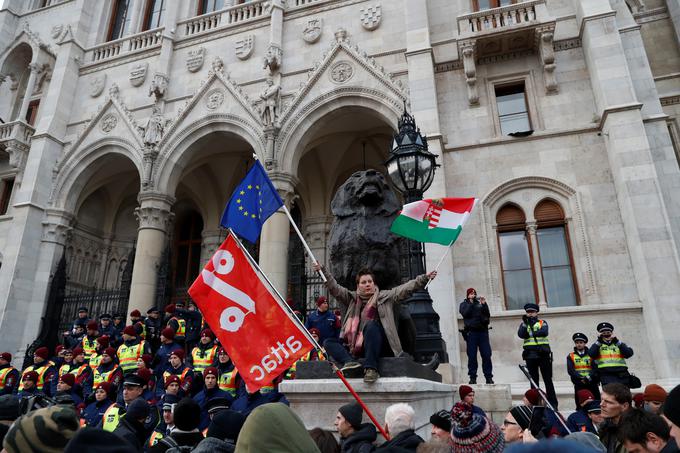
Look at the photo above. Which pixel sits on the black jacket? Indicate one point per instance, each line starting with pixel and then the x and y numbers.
pixel 476 315
pixel 361 441
pixel 132 431
pixel 183 439
pixel 408 440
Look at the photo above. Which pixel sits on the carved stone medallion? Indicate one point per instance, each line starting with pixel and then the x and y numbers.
pixel 371 16
pixel 108 122
pixel 341 72
pixel 214 98
pixel 195 59
pixel 138 74
pixel 244 47
pixel 97 85
pixel 312 31
pixel 56 31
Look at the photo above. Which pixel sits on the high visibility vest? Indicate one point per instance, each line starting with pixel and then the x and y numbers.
pixel 290 374
pixel 128 355
pixel 203 359
pixel 89 347
pixel 41 375
pixel 65 369
pixel 103 377
pixel 610 356
pixel 111 418
pixel 167 374
pixel 95 361
pixel 181 330
pixel 81 370
pixel 227 382
pixel 3 376
pixel 582 364
pixel 532 340
pixel 155 437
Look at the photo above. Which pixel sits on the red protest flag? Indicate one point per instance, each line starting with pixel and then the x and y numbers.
pixel 247 316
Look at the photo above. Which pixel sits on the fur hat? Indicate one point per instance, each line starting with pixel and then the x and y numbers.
pixel 68 379
pixel 42 352
pixel 352 413
pixel 473 432
pixel 168 333
pixel 45 430
pixel 465 390
pixel 654 392
pixel 187 414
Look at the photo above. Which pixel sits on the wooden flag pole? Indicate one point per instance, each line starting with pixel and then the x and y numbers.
pixel 441 260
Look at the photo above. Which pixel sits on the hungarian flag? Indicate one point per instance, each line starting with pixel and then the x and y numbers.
pixel 438 220
pixel 248 316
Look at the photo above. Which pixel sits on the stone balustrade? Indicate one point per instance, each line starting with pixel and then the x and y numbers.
pixel 16 130
pixel 500 18
pixel 128 44
pixel 233 15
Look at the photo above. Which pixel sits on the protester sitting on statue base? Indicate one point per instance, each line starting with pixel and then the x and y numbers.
pixel 369 326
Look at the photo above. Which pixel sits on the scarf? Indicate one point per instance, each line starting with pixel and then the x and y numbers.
pixel 365 309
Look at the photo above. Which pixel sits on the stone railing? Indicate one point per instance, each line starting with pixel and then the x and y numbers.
pixel 501 18
pixel 16 130
pixel 223 18
pixel 125 45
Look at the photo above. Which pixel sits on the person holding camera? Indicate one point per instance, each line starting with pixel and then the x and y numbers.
pixel 537 353
pixel 581 369
pixel 476 317
pixel 610 354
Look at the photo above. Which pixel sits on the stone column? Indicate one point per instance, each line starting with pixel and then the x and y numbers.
pixel 211 240
pixel 535 256
pixel 154 218
pixel 276 233
pixel 674 12
pixel 36 69
pixel 649 236
pixel 316 231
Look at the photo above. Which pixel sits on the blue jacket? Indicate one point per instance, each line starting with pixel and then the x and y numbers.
pixel 325 322
pixel 202 399
pixel 160 360
pixel 579 421
pixel 94 412
pixel 246 402
pixel 475 315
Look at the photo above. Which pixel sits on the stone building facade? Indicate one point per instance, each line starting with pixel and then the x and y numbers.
pixel 128 123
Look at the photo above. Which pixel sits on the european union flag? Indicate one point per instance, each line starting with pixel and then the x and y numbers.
pixel 253 201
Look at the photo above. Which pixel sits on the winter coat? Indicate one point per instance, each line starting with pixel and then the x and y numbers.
pixel 246 402
pixel 407 440
pixel 190 439
pixel 274 428
pixel 475 315
pixel 387 299
pixel 360 441
pixel 579 421
pixel 213 445
pixel 132 431
pixel 609 436
pixel 203 397
pixel 94 412
pixel 160 360
pixel 325 322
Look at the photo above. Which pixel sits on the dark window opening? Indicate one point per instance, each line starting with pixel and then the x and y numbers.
pixel 32 112
pixel 153 16
pixel 513 112
pixel 120 20
pixel 209 6
pixel 7 186
pixel 187 250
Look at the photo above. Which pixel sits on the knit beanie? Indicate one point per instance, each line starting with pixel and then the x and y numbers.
pixel 170 379
pixel 211 370
pixel 138 409
pixel 31 376
pixel 470 290
pixel 6 356
pixel 187 414
pixel 179 353
pixel 104 386
pixel 130 330
pixel 533 397
pixel 98 440
pixel 9 407
pixel 522 415
pixel 441 420
pixel 110 352
pixel 465 390
pixel 654 392
pixel 46 430
pixel 145 374
pixel 588 440
pixel 169 308
pixel 473 432
pixel 135 314
pixel 92 325
pixel 208 333
pixel 315 331
pixel 147 359
pixel 226 425
pixel 68 379
pixel 42 352
pixel 671 407
pixel 321 300
pixel 352 413
pixel 77 351
pixel 584 395
pixel 103 341
pixel 168 333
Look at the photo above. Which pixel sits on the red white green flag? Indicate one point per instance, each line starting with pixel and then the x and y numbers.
pixel 438 220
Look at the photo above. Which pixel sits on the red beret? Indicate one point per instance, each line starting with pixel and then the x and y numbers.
pixel 208 333
pixel 6 356
pixel 145 374
pixel 316 331
pixel 168 333
pixel 130 330
pixel 110 352
pixel 172 378
pixel 210 370
pixel 654 392
pixel 68 379
pixel 146 358
pixel 470 290
pixel 320 301
pixel 533 397
pixel 58 349
pixel 179 353
pixel 103 341
pixel 42 352
pixel 31 376
pixel 639 400
pixel 135 314
pixel 465 390
pixel 104 386
pixel 584 395
pixel 77 351
pixel 169 308
pixel 92 325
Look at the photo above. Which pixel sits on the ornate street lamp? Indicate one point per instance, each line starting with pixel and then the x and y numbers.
pixel 411 168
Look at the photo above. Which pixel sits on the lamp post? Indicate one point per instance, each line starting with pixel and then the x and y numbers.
pixel 411 168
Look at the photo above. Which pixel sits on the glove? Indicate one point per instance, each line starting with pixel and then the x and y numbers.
pixel 525 319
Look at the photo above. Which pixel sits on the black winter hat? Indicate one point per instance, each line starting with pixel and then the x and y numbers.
pixel 96 439
pixel 9 407
pixel 522 415
pixel 137 409
pixel 187 414
pixel 226 425
pixel 579 336
pixel 352 413
pixel 671 407
pixel 442 420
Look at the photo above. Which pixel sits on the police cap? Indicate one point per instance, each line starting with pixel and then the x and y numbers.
pixel 217 404
pixel 152 310
pixel 604 326
pixel 82 310
pixel 133 379
pixel 531 307
pixel 579 336
pixel 105 316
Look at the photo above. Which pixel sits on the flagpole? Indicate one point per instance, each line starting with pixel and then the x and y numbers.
pixel 304 243
pixel 441 260
pixel 312 340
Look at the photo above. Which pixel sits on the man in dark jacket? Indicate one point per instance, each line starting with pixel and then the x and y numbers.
pixel 355 437
pixel 131 425
pixel 160 360
pixel 643 431
pixel 153 325
pixel 476 316
pixel 186 416
pixel 94 412
pixel 610 354
pixel 616 401
pixel 106 327
pixel 210 391
pixel 324 320
pixel 400 425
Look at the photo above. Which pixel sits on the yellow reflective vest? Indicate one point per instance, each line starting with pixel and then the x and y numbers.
pixel 202 359
pixel 227 382
pixel 89 347
pixel 3 376
pixel 41 370
pixel 128 355
pixel 532 340
pixel 111 418
pixel 95 360
pixel 610 356
pixel 582 364
pixel 181 329
pixel 103 377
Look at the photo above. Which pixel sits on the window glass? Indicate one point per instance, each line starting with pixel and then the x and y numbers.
pixel 7 186
pixel 517 274
pixel 155 14
pixel 120 23
pixel 208 6
pixel 556 267
pixel 513 113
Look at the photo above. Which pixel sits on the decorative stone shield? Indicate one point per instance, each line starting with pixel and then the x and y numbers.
pixel 97 85
pixel 56 31
pixel 371 16
pixel 312 31
pixel 138 74
pixel 244 47
pixel 341 72
pixel 195 59
pixel 214 98
pixel 108 122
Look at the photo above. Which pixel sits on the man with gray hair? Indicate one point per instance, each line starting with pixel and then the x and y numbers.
pixel 400 424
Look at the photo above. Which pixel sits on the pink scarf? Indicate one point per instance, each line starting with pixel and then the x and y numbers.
pixel 365 309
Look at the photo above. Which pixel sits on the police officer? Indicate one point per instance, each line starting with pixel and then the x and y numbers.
pixel 9 376
pixel 537 354
pixel 610 354
pixel 44 369
pixel 177 323
pixel 476 317
pixel 133 388
pixel 89 341
pixel 153 324
pixel 106 327
pixel 131 349
pixel 580 368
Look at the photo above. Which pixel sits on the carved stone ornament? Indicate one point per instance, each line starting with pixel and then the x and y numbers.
pixel 244 47
pixel 97 85
pixel 108 122
pixel 272 59
pixel 371 16
pixel 195 59
pixel 341 72
pixel 214 98
pixel 56 31
pixel 138 74
pixel 312 31
pixel 158 85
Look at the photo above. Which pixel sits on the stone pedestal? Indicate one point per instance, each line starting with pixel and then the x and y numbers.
pixel 495 399
pixel 316 401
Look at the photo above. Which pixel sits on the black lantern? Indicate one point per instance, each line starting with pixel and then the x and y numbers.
pixel 411 168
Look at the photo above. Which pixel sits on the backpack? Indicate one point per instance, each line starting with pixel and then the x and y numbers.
pixel 174 447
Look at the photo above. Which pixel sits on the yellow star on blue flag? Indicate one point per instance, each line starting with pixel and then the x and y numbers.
pixel 254 200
